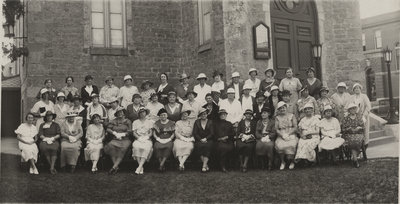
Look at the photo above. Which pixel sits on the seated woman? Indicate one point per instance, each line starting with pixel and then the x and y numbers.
pixel 49 133
pixel 183 144
pixel 224 136
pixel 247 139
pixel 274 98
pixel 286 141
pixel 173 108
pixel 309 135
pixel 142 147
pixel 203 131
pixel 324 100
pixel 304 100
pixel 330 133
pixel 164 132
pixel 95 135
pixel 265 135
pixel 119 129
pixel 96 108
pixel 61 108
pixel 26 135
pixel 353 132
pixel 71 133
pixel 212 107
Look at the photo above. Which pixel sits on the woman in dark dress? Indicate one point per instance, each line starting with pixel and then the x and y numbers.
pixel 49 133
pixel 133 108
pixel 274 98
pixel 163 89
pixel 203 132
pixel 119 129
pixel 246 141
pixel 265 135
pixel 212 108
pixel 164 133
pixel 224 136
pixel 269 81
pixel 173 108
pixel 87 90
pixel 313 84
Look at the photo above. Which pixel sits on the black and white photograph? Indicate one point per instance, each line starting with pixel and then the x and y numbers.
pixel 200 101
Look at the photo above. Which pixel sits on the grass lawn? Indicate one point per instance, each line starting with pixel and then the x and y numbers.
pixel 375 181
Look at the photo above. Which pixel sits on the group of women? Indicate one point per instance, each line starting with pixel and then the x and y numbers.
pixel 256 120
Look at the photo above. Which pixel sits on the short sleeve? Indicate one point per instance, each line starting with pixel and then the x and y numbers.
pixel 58 129
pixel 20 130
pixel 135 125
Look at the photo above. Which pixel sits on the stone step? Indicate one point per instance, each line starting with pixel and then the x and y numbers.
pixel 376 134
pixel 381 140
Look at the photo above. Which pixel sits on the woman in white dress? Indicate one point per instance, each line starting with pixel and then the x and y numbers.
pixel 291 84
pixel 27 136
pixel 142 147
pixel 330 133
pixel 61 108
pixel 41 107
pixel 95 135
pixel 154 106
pixel 183 144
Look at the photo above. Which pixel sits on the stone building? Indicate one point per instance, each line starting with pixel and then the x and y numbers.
pixel 146 38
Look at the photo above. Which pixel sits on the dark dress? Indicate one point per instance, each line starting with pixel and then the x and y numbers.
pixel 53 130
pixel 181 92
pixel 163 131
pixel 246 148
pixel 353 139
pixel 52 95
pixel 131 113
pixel 86 96
pixel 203 149
pixel 264 148
pixel 266 86
pixel 313 89
pixel 116 147
pixel 257 111
pixel 223 148
pixel 212 111
pixel 176 115
pixel 271 103
pixel 165 91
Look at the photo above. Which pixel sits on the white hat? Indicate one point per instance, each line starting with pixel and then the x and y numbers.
pixel 327 107
pixel 201 76
pixel 126 77
pixel 357 84
pixel 307 105
pixel 247 86
pixel 271 69
pixel 280 104
pixel 230 91
pixel 71 114
pixel 274 87
pixel 252 70
pixel 44 90
pixel 341 84
pixel 60 94
pixel 351 105
pixel 235 74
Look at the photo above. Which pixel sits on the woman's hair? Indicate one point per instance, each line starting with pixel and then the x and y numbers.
pixel 30 113
pixel 164 74
pixel 94 117
pixel 69 77
pixel 45 118
pixel 46 80
pixel 287 69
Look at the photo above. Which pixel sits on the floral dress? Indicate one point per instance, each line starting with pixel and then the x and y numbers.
pixel 183 146
pixel 306 147
pixel 163 131
pixel 353 138
pixel 302 102
pixel 146 95
pixel 94 135
pixel 286 144
pixel 142 147
pixel 322 102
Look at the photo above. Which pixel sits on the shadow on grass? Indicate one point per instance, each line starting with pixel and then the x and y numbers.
pixel 375 181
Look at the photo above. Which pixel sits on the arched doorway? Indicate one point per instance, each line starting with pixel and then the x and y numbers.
pixel 294 30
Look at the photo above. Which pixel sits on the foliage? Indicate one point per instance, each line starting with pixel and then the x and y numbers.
pixel 14 52
pixel 12 9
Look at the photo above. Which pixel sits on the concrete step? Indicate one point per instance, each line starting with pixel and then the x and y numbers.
pixel 376 134
pixel 381 140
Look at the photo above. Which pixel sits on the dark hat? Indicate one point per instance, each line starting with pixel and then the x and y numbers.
pixel 136 96
pixel 310 69
pixel 143 109
pixel 216 73
pixel 88 77
pixel 305 87
pixel 324 88
pixel 202 110
pixel 286 93
pixel 76 97
pixel 185 111
pixel 146 82
pixel 49 113
pixel 161 111
pixel 46 80
pixel 108 78
pixel 184 76
pixel 222 111
pixel 153 94
pixel 248 111
pixel 119 109
pixel 260 94
pixel 191 92
pixel 171 93
pixel 266 109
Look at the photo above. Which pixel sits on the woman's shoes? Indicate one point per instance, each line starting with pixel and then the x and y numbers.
pixel 244 170
pixel 53 171
pixel 291 166
pixel 113 171
pixel 204 170
pixel 141 171
pixel 35 171
pixel 31 170
pixel 283 164
pixel 94 170
pixel 356 164
pixel 137 172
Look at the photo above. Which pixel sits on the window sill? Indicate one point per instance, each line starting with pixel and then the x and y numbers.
pixel 204 47
pixel 109 51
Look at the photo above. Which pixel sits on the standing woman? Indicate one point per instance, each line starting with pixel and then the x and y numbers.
pixel 219 84
pixel 274 98
pixel 49 133
pixel 164 89
pixel 142 147
pixel 314 85
pixel 304 100
pixel 164 133
pixel 27 137
pixel 247 139
pixel 202 89
pixel 80 110
pixel 308 129
pixel 173 108
pixel 41 107
pixel 61 108
pixel 132 110
pixel 192 105
pixel 324 100
pixel 291 84
pixel 265 135
pixel 127 91
pixel 224 136
pixel 119 129
pixel 183 87
pixel 154 106
pixel 353 132
pixel 71 133
pixel 260 104
pixel 340 99
pixel 146 91
pixel 96 108
pixel 88 90
pixel 183 144
pixel 286 141
pixel 203 132
pixel 48 85
pixel 253 82
pixel 108 92
pixel 269 81
pixel 364 107
pixel 69 90
pixel 95 135
pixel 212 108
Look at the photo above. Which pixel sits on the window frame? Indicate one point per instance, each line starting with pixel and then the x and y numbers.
pixel 204 44
pixel 376 39
pixel 364 42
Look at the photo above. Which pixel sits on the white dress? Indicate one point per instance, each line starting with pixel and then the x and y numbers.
pixel 28 151
pixel 94 135
pixel 255 86
pixel 61 111
pixel 306 147
pixel 142 147
pixel 126 94
pixel 329 129
pixel 194 107
pixel 181 147
pixel 234 109
pixel 154 108
pixel 202 92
